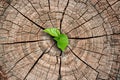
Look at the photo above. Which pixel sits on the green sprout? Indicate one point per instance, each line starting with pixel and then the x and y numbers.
pixel 61 39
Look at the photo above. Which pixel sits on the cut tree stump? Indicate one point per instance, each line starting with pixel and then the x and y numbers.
pixel 27 53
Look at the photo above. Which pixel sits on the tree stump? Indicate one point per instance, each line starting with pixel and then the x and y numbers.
pixel 93 29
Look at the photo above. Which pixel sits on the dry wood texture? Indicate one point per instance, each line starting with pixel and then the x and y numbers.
pixel 27 53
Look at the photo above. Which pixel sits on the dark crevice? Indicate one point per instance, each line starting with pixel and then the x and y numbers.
pixel 59 58
pixel 96 3
pixel 101 18
pixel 23 42
pixel 113 11
pixel 77 38
pixel 56 60
pixel 35 10
pixel 4 7
pixel 97 76
pixel 19 61
pixel 26 56
pixel 82 60
pixel 27 17
pixel 60 76
pixel 49 4
pixel 63 15
pixel 89 19
pixel 72 16
pixel 34 64
pixel 80 25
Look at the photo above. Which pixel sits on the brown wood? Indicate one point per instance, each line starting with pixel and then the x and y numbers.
pixel 27 53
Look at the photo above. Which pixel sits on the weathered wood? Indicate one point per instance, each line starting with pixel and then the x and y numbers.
pixel 93 28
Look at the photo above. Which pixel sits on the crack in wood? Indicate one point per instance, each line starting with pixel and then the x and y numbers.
pixel 35 64
pixel 23 42
pixel 19 61
pixel 49 4
pixel 63 15
pixel 60 76
pixel 35 10
pixel 72 38
pixel 90 19
pixel 84 38
pixel 26 56
pixel 27 17
pixel 82 60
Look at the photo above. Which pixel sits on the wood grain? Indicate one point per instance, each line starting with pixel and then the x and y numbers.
pixel 27 53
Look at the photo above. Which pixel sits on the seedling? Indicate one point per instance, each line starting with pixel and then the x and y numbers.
pixel 61 39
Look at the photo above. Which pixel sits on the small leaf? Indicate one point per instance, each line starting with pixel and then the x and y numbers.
pixel 61 39
pixel 62 42
pixel 53 32
pixel 56 38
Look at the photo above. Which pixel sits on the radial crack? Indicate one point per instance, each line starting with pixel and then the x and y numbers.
pixel 114 12
pixel 49 4
pixel 77 38
pixel 26 56
pixel 90 19
pixel 27 17
pixel 23 42
pixel 35 10
pixel 60 77
pixel 82 60
pixel 79 25
pixel 19 61
pixel 34 64
pixel 63 15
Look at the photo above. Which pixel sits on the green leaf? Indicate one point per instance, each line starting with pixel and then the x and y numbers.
pixel 53 32
pixel 61 39
pixel 62 42
pixel 56 38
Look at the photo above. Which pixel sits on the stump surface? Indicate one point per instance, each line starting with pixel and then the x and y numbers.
pixel 27 53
